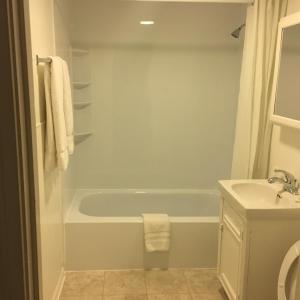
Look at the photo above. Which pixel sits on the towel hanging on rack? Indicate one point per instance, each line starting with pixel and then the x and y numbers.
pixel 59 141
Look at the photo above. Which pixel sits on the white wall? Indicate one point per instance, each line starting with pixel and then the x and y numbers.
pixel 49 204
pixel 293 6
pixel 162 118
pixel 164 98
pixel 285 148
pixel 63 49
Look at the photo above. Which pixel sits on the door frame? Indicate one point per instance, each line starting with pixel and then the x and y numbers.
pixel 18 230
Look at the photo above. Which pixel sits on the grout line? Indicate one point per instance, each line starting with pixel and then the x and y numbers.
pixel 104 281
pixel 146 286
pixel 145 278
pixel 188 284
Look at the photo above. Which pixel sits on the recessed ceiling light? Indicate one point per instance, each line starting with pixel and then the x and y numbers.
pixel 146 22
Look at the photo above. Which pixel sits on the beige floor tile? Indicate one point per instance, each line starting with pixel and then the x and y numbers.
pixel 169 297
pixel 202 281
pixel 80 284
pixel 166 282
pixel 126 297
pixel 124 283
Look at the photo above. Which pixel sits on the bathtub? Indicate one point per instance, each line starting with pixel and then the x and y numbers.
pixel 104 229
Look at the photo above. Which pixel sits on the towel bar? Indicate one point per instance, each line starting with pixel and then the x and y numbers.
pixel 39 60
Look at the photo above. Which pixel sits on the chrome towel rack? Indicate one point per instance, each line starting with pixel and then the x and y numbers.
pixel 46 60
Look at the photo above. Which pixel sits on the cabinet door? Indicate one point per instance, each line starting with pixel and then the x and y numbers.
pixel 230 249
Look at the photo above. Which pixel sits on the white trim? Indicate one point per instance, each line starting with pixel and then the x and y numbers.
pixel 285 22
pixel 279 120
pixel 59 286
pixel 290 20
pixel 227 287
pixel 231 227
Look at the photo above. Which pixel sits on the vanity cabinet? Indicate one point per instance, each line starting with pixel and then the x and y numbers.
pixel 231 246
pixel 230 250
pixel 252 246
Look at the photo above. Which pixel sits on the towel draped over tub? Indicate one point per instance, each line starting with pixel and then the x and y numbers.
pixel 157 232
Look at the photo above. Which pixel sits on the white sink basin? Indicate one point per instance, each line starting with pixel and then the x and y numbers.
pixel 255 193
pixel 259 195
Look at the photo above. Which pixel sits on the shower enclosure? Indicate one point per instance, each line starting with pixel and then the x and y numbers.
pixel 155 96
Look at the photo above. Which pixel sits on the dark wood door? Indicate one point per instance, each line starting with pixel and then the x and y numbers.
pixel 18 247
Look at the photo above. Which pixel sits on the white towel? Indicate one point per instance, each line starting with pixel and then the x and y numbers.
pixel 68 108
pixel 50 148
pixel 59 115
pixel 157 232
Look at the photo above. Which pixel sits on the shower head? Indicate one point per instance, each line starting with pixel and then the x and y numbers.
pixel 236 33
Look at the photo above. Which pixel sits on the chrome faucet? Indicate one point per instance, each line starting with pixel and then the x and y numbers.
pixel 290 183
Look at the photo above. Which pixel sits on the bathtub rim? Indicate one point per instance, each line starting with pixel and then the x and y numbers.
pixel 75 216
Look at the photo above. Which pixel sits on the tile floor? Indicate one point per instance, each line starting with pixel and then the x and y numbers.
pixel 173 284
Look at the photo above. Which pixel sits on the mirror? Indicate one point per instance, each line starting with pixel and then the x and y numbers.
pixel 287 73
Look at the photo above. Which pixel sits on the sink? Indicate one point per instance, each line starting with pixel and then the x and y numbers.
pixel 258 195
pixel 255 193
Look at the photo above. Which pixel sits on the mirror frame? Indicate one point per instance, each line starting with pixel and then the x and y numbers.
pixel 285 22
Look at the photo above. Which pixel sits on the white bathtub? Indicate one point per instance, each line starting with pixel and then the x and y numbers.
pixel 104 229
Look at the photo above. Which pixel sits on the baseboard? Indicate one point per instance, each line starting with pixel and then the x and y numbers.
pixel 59 285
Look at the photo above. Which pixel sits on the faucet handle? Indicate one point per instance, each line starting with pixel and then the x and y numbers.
pixel 289 178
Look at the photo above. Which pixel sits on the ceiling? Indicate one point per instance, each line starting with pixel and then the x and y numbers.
pixel 117 22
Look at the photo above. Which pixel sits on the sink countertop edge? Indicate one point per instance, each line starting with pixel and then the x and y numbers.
pixel 225 186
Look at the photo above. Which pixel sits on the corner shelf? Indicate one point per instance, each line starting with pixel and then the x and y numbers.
pixel 80 85
pixel 81 104
pixel 81 136
pixel 82 93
